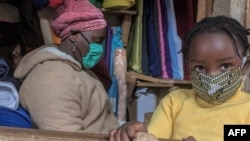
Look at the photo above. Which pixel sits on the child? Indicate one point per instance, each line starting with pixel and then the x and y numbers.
pixel 215 50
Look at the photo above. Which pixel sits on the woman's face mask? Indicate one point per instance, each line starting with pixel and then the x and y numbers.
pixel 93 56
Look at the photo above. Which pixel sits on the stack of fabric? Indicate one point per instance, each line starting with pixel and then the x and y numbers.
pixel 11 114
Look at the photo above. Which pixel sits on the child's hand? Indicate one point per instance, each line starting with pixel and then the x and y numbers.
pixel 127 131
pixel 190 138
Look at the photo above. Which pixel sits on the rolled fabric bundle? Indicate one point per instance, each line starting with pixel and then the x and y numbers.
pixel 118 4
pixel 120 69
pixel 55 3
pixel 18 118
pixel 9 97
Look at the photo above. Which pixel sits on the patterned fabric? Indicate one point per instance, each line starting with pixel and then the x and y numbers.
pixel 216 89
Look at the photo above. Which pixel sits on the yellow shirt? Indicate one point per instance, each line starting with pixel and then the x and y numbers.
pixel 181 114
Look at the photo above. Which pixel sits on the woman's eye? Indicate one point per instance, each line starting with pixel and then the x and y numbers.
pixel 199 68
pixel 226 66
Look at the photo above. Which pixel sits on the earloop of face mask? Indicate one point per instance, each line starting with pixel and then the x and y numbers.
pixel 244 59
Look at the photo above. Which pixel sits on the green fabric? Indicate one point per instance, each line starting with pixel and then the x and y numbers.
pixel 118 4
pixel 135 50
pixel 97 3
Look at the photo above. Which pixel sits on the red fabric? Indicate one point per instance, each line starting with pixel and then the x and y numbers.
pixel 55 3
pixel 80 14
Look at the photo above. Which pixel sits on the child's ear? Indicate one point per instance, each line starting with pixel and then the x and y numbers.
pixel 246 65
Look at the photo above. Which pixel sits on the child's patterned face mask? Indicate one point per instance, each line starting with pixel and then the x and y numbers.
pixel 216 89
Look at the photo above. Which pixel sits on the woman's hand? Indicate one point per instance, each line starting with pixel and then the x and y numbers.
pixel 127 131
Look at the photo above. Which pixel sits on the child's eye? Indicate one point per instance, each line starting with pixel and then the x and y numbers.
pixel 199 68
pixel 225 67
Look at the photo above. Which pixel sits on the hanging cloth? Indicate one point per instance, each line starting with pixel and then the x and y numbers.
pixel 162 44
pixel 165 28
pixel 145 63
pixel 185 19
pixel 152 42
pixel 135 50
pixel 174 42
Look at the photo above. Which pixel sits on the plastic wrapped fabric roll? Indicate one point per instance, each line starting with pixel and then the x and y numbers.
pixel 118 4
pixel 120 69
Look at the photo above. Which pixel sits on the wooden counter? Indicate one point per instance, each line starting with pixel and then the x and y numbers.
pixel 21 134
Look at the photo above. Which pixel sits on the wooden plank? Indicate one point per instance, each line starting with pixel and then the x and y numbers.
pixel 22 134
pixel 204 9
pixel 151 84
pixel 157 80
pixel 118 11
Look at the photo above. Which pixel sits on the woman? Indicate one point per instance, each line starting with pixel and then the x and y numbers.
pixel 59 90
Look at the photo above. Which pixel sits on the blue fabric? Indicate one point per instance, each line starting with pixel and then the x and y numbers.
pixel 145 63
pixel 39 4
pixel 115 44
pixel 18 118
pixel 172 38
pixel 4 68
pixel 154 58
pixel 5 74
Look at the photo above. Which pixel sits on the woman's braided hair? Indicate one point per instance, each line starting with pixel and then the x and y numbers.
pixel 218 24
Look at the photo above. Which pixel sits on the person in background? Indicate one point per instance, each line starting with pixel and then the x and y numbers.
pixel 216 52
pixel 58 89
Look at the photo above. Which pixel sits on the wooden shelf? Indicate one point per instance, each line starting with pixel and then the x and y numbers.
pixel 22 134
pixel 116 11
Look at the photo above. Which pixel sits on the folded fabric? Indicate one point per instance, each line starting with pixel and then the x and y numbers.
pixel 18 118
pixel 9 97
pixel 118 4
pixel 4 68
